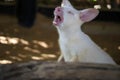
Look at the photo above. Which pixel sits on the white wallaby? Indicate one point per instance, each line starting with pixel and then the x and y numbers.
pixel 75 45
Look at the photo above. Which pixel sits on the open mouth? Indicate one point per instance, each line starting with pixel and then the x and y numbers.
pixel 58 16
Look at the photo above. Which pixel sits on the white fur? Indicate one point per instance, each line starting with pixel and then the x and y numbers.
pixel 75 45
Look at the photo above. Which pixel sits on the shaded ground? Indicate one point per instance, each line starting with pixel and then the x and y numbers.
pixel 40 42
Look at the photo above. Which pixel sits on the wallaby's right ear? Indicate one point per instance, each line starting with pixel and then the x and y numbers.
pixel 87 15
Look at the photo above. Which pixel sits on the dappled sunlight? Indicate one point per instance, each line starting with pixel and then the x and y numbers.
pixel 15 58
pixel 7 52
pixel 48 55
pixel 41 43
pixel 44 57
pixel 8 40
pixel 29 50
pixel 12 40
pixel 118 47
pixel 37 58
pixel 24 42
pixel 3 40
pixel 5 62
pixel 32 50
pixel 22 56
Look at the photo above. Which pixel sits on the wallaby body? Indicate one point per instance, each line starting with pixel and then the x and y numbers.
pixel 75 45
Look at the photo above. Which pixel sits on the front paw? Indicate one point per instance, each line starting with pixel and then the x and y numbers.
pixel 61 59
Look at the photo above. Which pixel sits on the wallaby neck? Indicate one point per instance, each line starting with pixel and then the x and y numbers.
pixel 70 32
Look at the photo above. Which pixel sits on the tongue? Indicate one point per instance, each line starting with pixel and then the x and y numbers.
pixel 56 21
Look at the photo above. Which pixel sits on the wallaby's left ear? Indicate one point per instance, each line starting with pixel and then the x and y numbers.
pixel 87 15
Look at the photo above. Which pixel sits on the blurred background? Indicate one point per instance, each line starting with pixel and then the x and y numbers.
pixel 27 33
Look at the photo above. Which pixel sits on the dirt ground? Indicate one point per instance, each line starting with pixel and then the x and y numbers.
pixel 19 44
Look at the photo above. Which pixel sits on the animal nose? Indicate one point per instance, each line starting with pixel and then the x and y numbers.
pixel 58 9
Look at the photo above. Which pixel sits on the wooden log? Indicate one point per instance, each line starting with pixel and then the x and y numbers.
pixel 36 70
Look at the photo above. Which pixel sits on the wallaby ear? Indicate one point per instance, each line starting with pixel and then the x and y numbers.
pixel 66 3
pixel 87 15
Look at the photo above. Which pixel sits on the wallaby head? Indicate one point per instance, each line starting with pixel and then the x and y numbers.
pixel 66 15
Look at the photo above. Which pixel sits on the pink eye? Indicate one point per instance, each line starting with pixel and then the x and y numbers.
pixel 70 12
